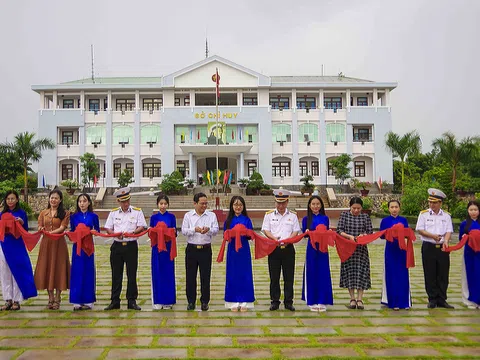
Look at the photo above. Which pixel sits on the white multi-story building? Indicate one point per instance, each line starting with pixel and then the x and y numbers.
pixel 282 126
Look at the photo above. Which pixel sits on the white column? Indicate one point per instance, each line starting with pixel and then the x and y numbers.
pixel 242 166
pixel 387 97
pixel 82 100
pixel 192 99
pixel 55 99
pixel 137 100
pixel 109 101
pixel 240 97
pixel 190 165
pixel 375 97
pixel 42 100
pixel 321 99
pixel 294 99
pixel 349 95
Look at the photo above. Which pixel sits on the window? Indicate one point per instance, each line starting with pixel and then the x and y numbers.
pixel 359 168
pixel 362 101
pixel 281 168
pixel 68 103
pixel 362 134
pixel 67 137
pixel 281 133
pixel 105 104
pixel 152 170
pixel 280 102
pixel 152 104
pixel 250 134
pixel 122 134
pixel 201 136
pixel 306 102
pixel 335 132
pixel 331 169
pixel 93 104
pixel 231 135
pixel 177 101
pixel 150 134
pixel 67 171
pixel 95 134
pixel 117 168
pixel 251 167
pixel 303 168
pixel 186 101
pixel 182 167
pixel 125 104
pixel 250 100
pixel 181 133
pixel 129 167
pixel 307 132
pixel 315 168
pixel 332 103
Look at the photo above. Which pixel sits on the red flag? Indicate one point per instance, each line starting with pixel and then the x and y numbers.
pixel 216 80
pixel 95 181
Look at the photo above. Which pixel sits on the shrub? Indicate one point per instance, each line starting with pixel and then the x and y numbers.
pixel 385 207
pixel 367 203
pixel 125 178
pixel 415 197
pixel 460 210
pixel 172 184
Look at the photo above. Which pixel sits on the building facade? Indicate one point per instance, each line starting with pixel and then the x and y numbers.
pixel 281 126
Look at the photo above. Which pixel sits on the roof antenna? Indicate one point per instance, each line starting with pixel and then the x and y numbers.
pixel 93 63
pixel 206 43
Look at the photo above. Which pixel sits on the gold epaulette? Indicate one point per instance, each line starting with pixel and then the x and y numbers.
pixel 293 212
pixel 137 208
pixel 446 212
pixel 116 209
pixel 424 211
pixel 269 212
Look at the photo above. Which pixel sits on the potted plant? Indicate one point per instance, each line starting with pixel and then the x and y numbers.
pixel 190 183
pixel 71 185
pixel 307 187
pixel 362 185
pixel 243 182
pixel 227 189
pixel 367 205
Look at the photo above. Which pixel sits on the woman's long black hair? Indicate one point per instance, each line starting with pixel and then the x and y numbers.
pixel 469 219
pixel 61 210
pixel 90 206
pixel 4 203
pixel 231 212
pixel 309 211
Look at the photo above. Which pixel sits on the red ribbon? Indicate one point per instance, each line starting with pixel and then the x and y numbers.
pixel 405 237
pixel 473 239
pixel 160 234
pixel 82 236
pixel 236 232
pixel 323 237
pixel 127 235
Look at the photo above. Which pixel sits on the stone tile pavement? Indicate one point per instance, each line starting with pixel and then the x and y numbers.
pixel 376 332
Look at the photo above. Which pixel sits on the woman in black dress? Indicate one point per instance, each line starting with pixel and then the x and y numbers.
pixel 355 272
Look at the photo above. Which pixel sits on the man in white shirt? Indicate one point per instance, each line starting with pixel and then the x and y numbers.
pixel 281 224
pixel 124 219
pixel 199 226
pixel 435 228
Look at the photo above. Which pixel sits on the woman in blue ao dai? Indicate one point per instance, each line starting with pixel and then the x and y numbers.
pixel 396 283
pixel 239 291
pixel 82 278
pixel 471 260
pixel 317 282
pixel 163 269
pixel 15 267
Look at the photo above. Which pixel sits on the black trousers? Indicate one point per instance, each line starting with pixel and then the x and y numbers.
pixel 436 268
pixel 282 260
pixel 120 254
pixel 196 258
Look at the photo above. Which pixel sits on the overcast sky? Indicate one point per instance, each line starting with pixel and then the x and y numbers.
pixel 430 47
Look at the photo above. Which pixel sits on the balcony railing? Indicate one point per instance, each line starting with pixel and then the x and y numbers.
pixel 362 137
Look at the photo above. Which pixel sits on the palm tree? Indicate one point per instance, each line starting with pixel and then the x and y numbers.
pixel 402 147
pixel 456 153
pixel 28 150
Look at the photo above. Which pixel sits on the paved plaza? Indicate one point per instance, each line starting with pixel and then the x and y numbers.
pixel 376 332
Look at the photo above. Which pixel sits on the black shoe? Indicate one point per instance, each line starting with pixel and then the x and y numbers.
pixel 132 305
pixel 432 304
pixel 444 304
pixel 191 306
pixel 274 306
pixel 113 306
pixel 289 307
pixel 204 307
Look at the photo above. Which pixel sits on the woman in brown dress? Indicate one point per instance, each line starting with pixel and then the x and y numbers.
pixel 53 265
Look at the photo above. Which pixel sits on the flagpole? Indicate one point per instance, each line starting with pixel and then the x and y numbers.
pixel 216 137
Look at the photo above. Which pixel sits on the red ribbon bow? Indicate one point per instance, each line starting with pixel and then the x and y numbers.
pixel 160 234
pixel 236 232
pixel 473 239
pixel 405 237
pixel 82 236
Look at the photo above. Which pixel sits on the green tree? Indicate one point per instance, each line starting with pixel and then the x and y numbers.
pixel 341 168
pixel 29 150
pixel 125 178
pixel 89 168
pixel 172 183
pixel 402 147
pixel 11 165
pixel 455 153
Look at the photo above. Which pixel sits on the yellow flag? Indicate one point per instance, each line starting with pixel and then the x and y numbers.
pixel 208 177
pixel 218 176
